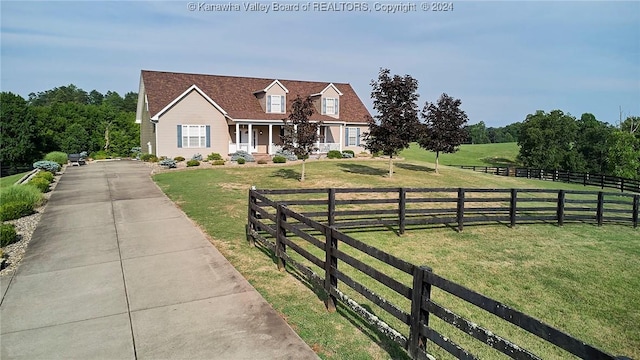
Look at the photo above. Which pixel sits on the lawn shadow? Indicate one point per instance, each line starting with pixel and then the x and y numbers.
pixel 414 167
pixel 287 174
pixel 362 169
pixel 498 161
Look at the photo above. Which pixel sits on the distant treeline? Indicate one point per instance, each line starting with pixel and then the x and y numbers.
pixel 481 134
pixel 66 119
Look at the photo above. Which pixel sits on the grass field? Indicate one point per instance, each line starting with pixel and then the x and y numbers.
pixel 10 180
pixel 477 154
pixel 581 278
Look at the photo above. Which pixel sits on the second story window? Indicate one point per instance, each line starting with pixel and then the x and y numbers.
pixel 275 104
pixel 330 106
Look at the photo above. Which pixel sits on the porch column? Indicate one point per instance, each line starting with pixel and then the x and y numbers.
pixel 270 139
pixel 318 142
pixel 237 136
pixel 250 137
pixel 341 136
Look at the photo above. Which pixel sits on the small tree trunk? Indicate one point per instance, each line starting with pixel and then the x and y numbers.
pixel 302 176
pixel 437 157
pixel 390 165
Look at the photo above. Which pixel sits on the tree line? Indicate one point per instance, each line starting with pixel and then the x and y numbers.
pixel 66 119
pixel 481 134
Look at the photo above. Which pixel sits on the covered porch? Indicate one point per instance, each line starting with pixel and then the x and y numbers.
pixel 265 138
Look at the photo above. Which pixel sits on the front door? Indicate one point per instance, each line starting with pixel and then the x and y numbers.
pixel 244 139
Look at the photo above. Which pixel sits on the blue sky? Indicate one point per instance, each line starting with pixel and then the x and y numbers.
pixel 504 59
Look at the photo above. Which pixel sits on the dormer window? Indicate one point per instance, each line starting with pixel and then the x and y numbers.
pixel 275 104
pixel 330 106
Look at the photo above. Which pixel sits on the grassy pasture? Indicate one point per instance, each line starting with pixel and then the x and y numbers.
pixel 11 179
pixel 581 278
pixel 503 154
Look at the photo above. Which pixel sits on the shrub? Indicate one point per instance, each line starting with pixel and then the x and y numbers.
pixel 196 157
pixel 214 156
pixel 45 175
pixel 279 159
pixel 349 152
pixel 7 234
pixel 241 161
pixel 101 155
pixel 287 155
pixel 40 183
pixel 334 154
pixel 262 161
pixel 57 156
pixel 178 158
pixel 168 163
pixel 346 155
pixel 149 157
pixel 242 154
pixel 47 165
pixel 136 150
pixel 218 162
pixel 15 210
pixel 193 162
pixel 21 193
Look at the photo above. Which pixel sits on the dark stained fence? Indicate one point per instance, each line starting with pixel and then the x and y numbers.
pixel 277 226
pixel 599 180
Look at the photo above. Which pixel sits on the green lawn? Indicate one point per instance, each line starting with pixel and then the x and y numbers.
pixel 503 154
pixel 11 179
pixel 581 278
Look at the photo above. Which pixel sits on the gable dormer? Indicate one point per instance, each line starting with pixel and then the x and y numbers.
pixel 328 101
pixel 273 98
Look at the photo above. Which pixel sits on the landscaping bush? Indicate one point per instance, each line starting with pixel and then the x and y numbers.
pixel 7 234
pixel 178 158
pixel 47 165
pixel 196 157
pixel 262 161
pixel 278 159
pixel 242 154
pixel 193 162
pixel 349 152
pixel 241 161
pixel 334 154
pixel 218 162
pixel 45 175
pixel 15 210
pixel 149 157
pixel 21 193
pixel 168 163
pixel 40 183
pixel 101 155
pixel 346 155
pixel 214 156
pixel 287 155
pixel 57 156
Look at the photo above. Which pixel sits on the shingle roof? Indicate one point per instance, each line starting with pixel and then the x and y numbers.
pixel 235 94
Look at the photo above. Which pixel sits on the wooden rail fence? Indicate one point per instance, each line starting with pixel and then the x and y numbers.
pixel 274 224
pixel 600 180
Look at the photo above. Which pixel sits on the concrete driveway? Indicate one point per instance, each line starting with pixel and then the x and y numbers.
pixel 116 271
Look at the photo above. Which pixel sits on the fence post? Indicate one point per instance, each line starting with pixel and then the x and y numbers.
pixel 600 210
pixel 460 209
pixel 584 179
pixel 251 215
pixel 560 208
pixel 636 200
pixel 601 181
pixel 555 175
pixel 330 263
pixel 621 184
pixel 281 233
pixel 486 169
pixel 508 168
pixel 331 203
pixel 419 316
pixel 513 206
pixel 402 209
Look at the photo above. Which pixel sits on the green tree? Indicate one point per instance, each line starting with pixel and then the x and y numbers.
pixel 591 143
pixel 478 133
pixel 396 123
pixel 443 129
pixel 300 135
pixel 547 140
pixel 75 139
pixel 18 132
pixel 624 155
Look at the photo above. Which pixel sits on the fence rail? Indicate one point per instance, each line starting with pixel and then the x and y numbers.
pixel 600 180
pixel 273 222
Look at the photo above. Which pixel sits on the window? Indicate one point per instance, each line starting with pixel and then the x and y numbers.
pixel 193 136
pixel 352 136
pixel 330 106
pixel 275 104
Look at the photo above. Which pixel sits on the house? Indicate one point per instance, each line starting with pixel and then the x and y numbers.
pixel 183 114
